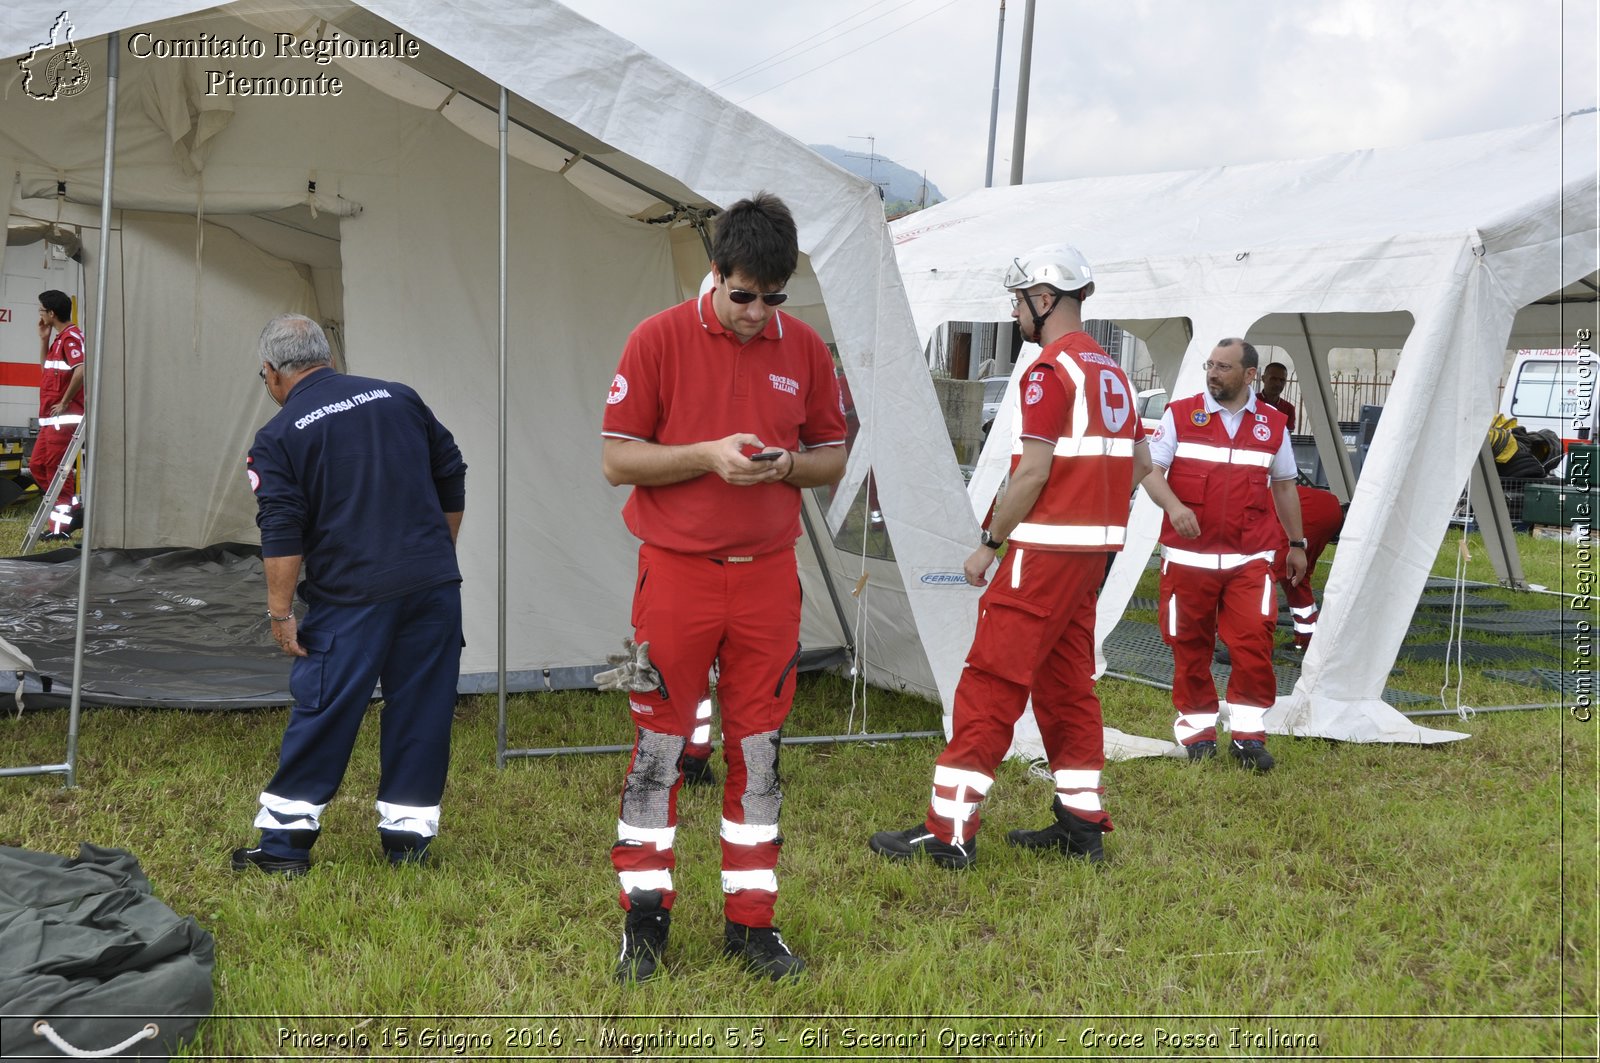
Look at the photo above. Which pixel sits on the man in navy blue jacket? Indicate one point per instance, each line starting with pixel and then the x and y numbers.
pixel 358 479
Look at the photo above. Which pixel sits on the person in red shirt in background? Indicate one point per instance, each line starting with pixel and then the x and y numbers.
pixel 1321 516
pixel 722 410
pixel 1273 380
pixel 1079 452
pixel 60 404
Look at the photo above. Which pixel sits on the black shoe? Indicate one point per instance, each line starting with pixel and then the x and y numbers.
pixel 644 937
pixel 54 537
pixel 761 950
pixel 1252 753
pixel 1068 835
pixel 697 772
pixel 905 844
pixel 287 866
pixel 409 857
pixel 1199 751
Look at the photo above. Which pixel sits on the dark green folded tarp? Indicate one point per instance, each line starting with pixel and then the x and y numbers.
pixel 85 947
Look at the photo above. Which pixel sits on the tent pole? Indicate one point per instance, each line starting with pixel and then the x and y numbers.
pixel 500 494
pixel 91 470
pixel 1323 413
pixel 1494 520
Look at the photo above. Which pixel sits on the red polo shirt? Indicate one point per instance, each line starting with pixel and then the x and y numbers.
pixel 684 379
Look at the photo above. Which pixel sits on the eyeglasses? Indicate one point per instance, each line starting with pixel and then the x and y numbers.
pixel 744 298
pixel 1224 366
pixel 1017 297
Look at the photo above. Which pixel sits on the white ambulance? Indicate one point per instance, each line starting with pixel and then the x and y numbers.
pixel 1555 389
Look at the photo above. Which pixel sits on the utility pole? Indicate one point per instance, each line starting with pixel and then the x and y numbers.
pixel 994 99
pixel 1020 135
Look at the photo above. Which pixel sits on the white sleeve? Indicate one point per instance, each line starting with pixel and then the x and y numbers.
pixel 1164 441
pixel 1284 467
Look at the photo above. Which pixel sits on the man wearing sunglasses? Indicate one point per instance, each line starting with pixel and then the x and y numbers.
pixel 1079 452
pixel 722 409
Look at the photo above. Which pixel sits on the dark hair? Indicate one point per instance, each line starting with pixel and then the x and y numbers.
pixel 58 303
pixel 1249 359
pixel 756 237
pixel 1279 365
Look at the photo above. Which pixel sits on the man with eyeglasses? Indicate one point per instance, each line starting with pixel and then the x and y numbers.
pixel 722 410
pixel 1225 477
pixel 1079 452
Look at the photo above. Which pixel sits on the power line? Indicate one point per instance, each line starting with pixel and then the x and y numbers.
pixel 739 75
pixel 851 52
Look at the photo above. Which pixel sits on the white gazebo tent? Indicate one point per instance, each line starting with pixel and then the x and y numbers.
pixel 1452 249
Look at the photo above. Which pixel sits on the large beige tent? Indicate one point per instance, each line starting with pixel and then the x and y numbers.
pixel 1452 250
pixel 375 210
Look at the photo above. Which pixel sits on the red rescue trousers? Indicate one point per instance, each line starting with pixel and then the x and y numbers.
pixel 48 450
pixel 743 614
pixel 1035 635
pixel 1196 605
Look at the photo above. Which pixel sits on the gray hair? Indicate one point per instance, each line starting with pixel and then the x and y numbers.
pixel 292 342
pixel 1248 358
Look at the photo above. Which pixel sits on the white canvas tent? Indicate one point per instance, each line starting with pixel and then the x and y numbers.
pixel 1453 250
pixel 375 211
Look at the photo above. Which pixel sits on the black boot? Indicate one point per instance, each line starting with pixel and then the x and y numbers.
pixel 1069 835
pixel 644 936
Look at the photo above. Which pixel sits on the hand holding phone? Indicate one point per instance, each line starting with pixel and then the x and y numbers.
pixel 767 455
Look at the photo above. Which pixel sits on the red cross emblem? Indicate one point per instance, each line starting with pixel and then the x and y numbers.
pixel 618 390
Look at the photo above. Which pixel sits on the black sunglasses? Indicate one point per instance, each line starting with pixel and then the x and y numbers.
pixel 744 298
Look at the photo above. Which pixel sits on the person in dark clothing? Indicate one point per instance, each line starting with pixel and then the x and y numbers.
pixel 356 478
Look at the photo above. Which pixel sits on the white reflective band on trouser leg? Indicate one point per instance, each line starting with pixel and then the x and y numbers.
pixel 60 517
pixel 1069 534
pixel 60 422
pixel 702 711
pixel 291 815
pixel 1304 628
pixel 1213 561
pixel 1079 789
pixel 956 811
pixel 1190 724
pixel 1016 568
pixel 700 735
pixel 1266 595
pixel 644 880
pixel 412 819
pixel 972 780
pixel 1246 718
pixel 660 837
pixel 749 833
pixel 1172 615
pixel 734 881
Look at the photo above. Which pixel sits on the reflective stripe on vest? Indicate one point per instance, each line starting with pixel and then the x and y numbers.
pixel 60 422
pixel 58 365
pixel 1068 534
pixel 1087 447
pixel 1223 455
pixel 1212 561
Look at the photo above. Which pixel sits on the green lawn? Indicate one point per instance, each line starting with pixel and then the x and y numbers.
pixel 1378 900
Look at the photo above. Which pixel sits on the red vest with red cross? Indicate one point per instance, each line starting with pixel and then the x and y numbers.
pixel 1226 481
pixel 1084 503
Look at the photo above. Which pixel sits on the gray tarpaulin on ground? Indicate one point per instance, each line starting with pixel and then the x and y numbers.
pixel 85 947
pixel 165 628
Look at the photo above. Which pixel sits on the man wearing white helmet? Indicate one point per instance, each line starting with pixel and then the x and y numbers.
pixel 1079 453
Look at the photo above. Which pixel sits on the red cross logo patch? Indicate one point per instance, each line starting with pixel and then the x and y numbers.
pixel 619 390
pixel 1261 432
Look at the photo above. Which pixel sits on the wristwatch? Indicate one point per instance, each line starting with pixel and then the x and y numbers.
pixel 1297 544
pixel 990 541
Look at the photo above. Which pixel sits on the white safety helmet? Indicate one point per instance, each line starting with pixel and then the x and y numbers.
pixel 1061 266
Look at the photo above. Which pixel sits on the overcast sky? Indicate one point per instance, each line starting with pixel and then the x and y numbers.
pixel 1126 86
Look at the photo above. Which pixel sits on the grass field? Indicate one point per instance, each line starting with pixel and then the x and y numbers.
pixel 1359 902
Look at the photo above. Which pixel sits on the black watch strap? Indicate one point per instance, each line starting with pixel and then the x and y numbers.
pixel 1297 543
pixel 990 541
